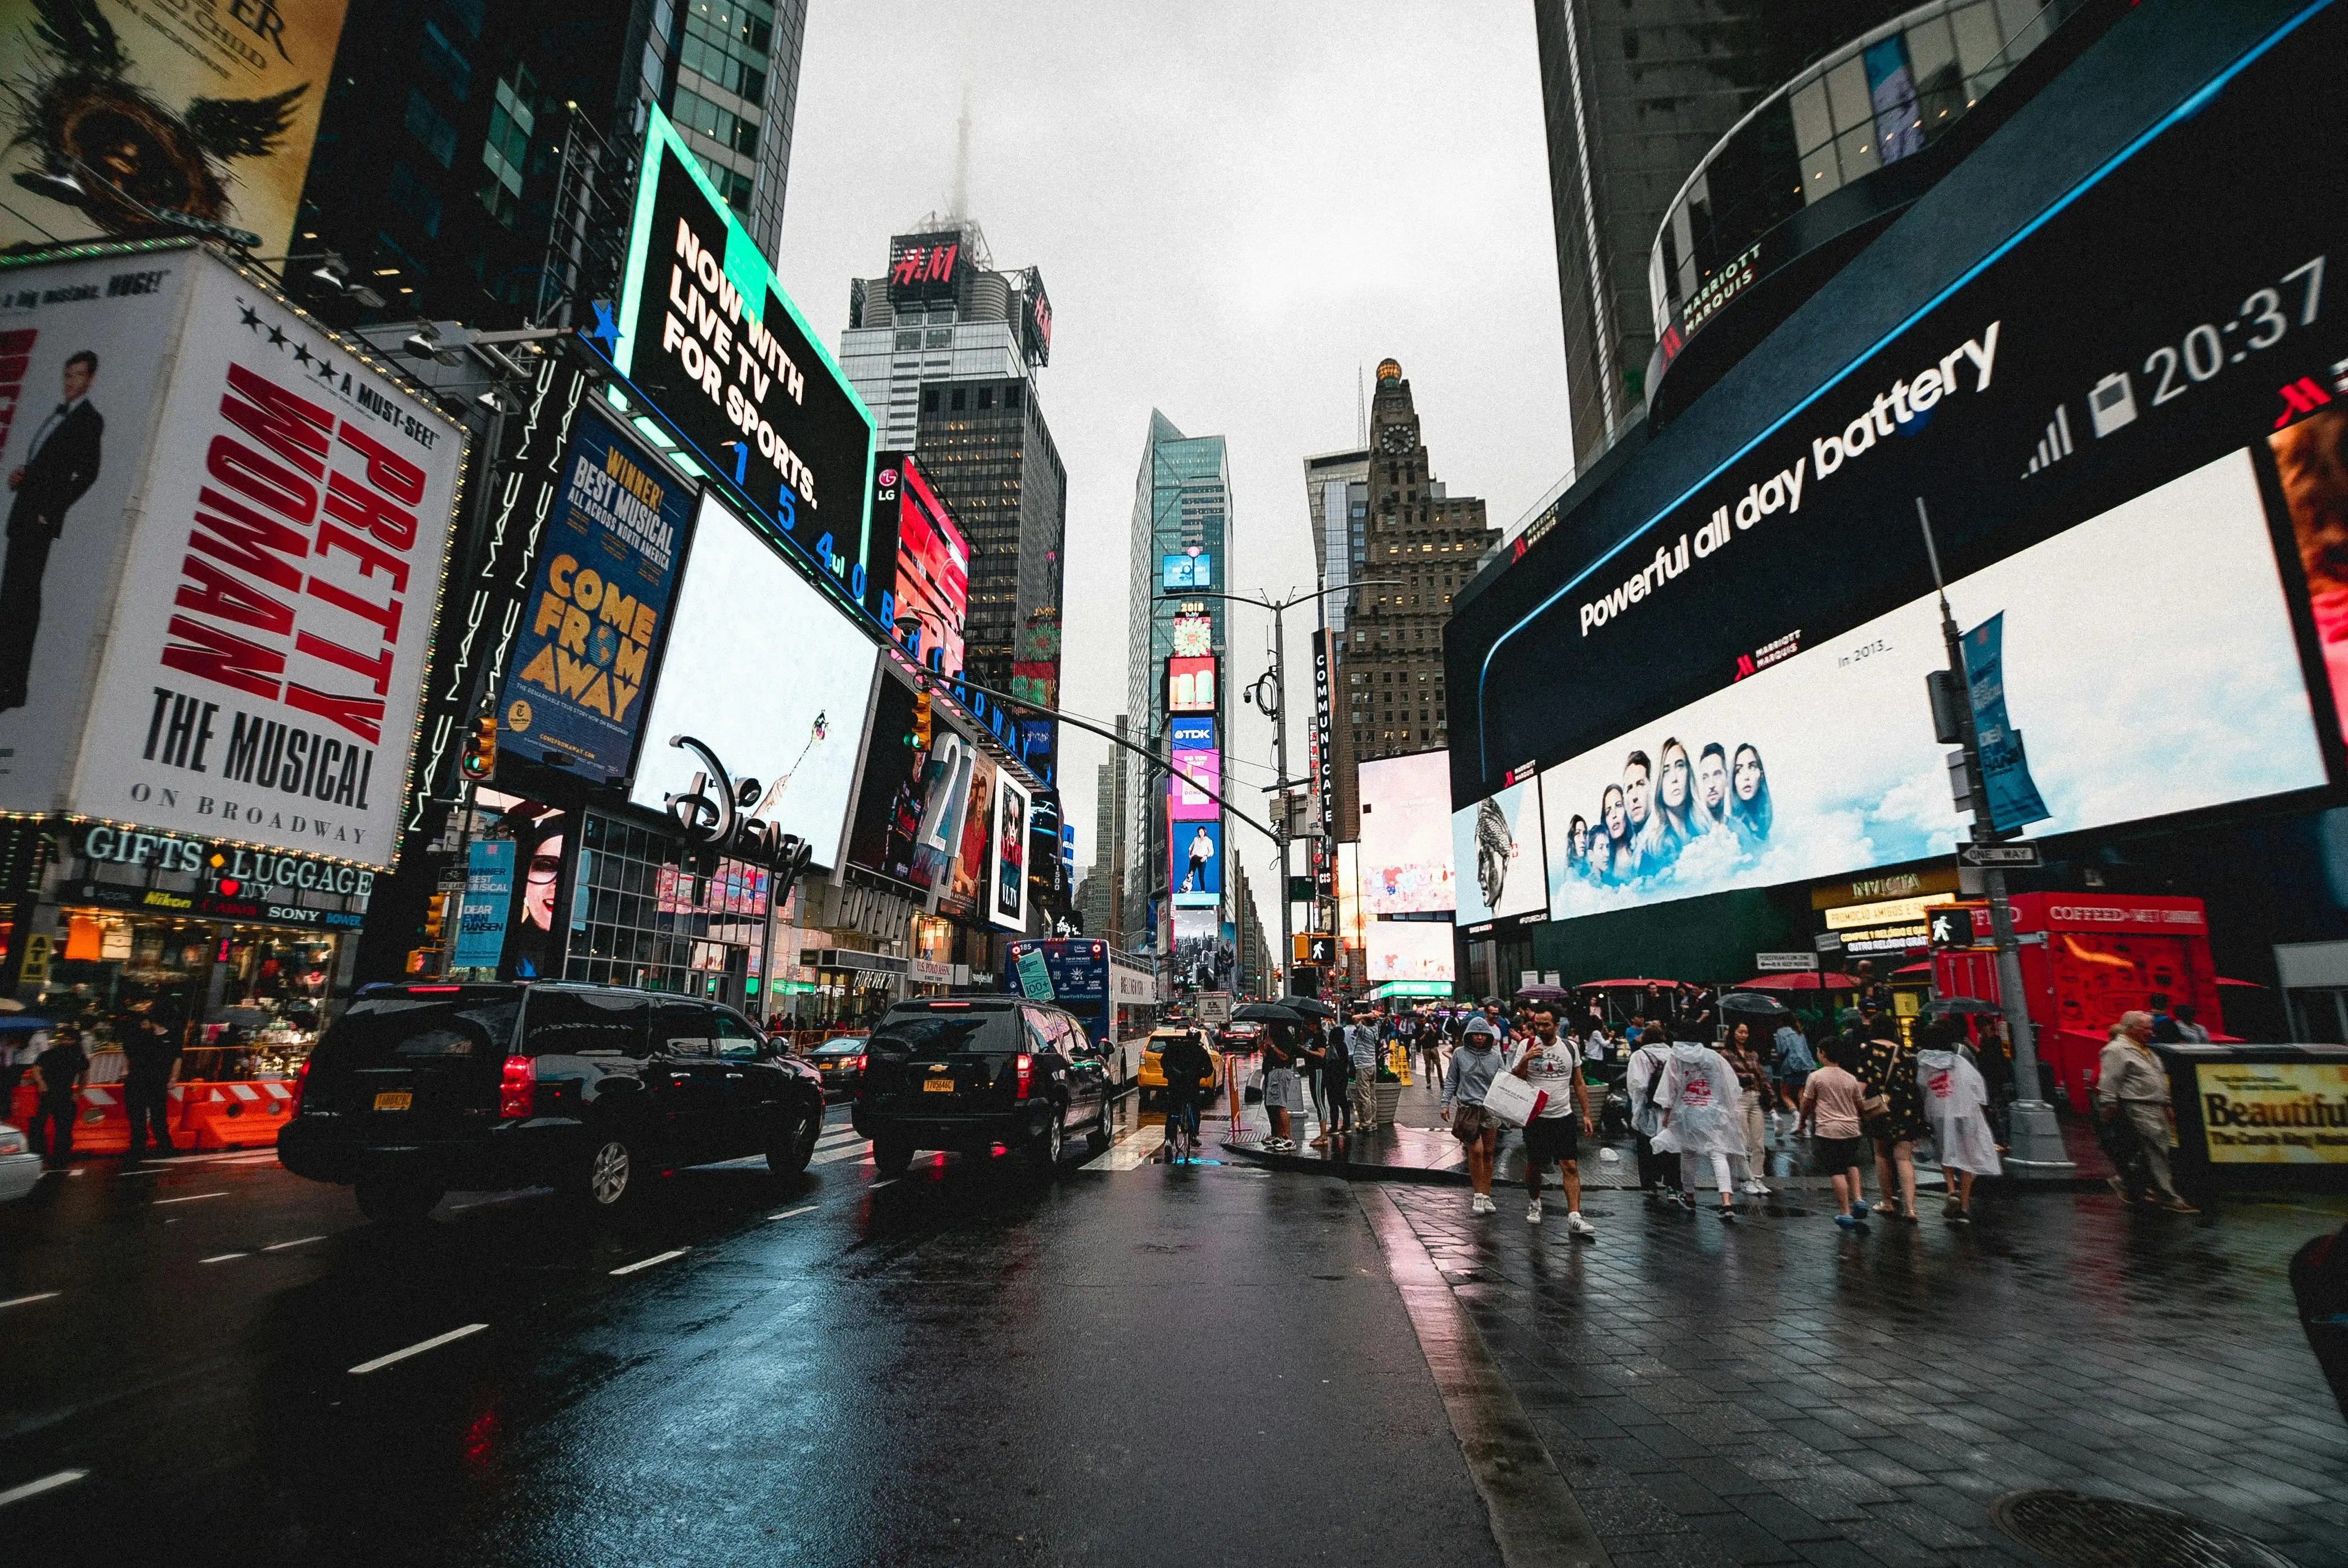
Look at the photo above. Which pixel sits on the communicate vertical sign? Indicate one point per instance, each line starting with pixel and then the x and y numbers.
pixel 2005 772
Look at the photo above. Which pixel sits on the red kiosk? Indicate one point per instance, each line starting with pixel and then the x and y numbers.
pixel 2087 958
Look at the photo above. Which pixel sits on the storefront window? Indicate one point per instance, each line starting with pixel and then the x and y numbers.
pixel 646 913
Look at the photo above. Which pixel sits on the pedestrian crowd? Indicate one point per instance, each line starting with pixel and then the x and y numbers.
pixel 136 1050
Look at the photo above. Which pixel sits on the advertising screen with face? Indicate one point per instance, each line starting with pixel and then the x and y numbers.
pixel 1405 844
pixel 741 607
pixel 2137 708
pixel 1497 842
pixel 1409 950
pixel 971 860
pixel 1197 862
pixel 1007 897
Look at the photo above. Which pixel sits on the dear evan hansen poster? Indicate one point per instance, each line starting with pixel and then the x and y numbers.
pixel 607 566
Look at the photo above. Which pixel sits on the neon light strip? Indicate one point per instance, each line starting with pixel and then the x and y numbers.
pixel 2192 105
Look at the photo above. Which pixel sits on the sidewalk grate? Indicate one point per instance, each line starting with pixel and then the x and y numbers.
pixel 2084 1531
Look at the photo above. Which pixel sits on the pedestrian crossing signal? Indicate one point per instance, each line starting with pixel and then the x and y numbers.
pixel 480 763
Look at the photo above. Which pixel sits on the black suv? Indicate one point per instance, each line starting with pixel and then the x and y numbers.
pixel 951 1074
pixel 418 1090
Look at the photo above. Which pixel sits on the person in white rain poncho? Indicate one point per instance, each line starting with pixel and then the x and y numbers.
pixel 1701 1101
pixel 1956 1103
pixel 1643 1082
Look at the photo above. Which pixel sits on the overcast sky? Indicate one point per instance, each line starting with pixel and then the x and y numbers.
pixel 1239 209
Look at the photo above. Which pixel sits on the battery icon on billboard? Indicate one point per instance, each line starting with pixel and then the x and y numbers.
pixel 2112 403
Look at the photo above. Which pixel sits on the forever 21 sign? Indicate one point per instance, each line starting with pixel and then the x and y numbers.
pixel 717 812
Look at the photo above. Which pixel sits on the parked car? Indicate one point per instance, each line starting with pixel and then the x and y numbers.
pixel 1153 1069
pixel 418 1090
pixel 966 1074
pixel 20 1168
pixel 841 1063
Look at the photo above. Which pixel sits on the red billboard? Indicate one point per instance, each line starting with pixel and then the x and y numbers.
pixel 929 577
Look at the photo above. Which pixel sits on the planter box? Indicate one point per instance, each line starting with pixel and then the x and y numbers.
pixel 1389 1096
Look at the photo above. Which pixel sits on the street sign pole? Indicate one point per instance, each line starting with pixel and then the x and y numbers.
pixel 2036 1149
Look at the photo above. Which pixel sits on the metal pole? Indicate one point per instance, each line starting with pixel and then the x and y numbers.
pixel 2036 1149
pixel 1280 821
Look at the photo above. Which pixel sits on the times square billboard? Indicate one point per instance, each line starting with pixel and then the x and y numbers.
pixel 2126 423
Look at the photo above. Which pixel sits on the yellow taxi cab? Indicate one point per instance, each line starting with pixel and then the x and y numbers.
pixel 1153 1073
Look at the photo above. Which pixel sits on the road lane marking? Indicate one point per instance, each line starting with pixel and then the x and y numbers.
pixel 1136 1148
pixel 34 1488
pixel 190 1198
pixel 838 1134
pixel 297 1241
pixel 224 1257
pixel 786 1214
pixel 845 1151
pixel 417 1348
pixel 876 1186
pixel 648 1261
pixel 28 1300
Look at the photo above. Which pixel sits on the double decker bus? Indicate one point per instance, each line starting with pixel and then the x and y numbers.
pixel 1114 995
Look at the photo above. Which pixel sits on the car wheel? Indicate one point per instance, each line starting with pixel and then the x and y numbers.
pixel 612 1174
pixel 397 1203
pixel 891 1156
pixel 1097 1141
pixel 788 1154
pixel 1044 1152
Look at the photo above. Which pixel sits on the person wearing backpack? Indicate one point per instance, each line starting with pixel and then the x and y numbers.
pixel 1793 1062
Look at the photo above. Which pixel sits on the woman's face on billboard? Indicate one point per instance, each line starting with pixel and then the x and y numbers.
pixel 545 869
pixel 1615 820
pixel 1675 779
pixel 1748 772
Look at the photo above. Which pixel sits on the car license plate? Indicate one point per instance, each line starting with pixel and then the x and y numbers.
pixel 937 1085
pixel 393 1100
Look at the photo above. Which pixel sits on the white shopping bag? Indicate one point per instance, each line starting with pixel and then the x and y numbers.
pixel 1513 1100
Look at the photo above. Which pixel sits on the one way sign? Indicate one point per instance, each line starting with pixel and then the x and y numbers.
pixel 1999 855
pixel 1953 927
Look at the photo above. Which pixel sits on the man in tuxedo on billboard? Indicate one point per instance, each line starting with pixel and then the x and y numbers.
pixel 59 468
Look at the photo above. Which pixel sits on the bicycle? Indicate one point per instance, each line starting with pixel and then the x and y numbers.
pixel 1181 1129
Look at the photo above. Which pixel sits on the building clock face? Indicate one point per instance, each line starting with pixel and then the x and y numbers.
pixel 1396 439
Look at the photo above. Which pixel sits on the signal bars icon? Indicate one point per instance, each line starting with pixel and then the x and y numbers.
pixel 2054 445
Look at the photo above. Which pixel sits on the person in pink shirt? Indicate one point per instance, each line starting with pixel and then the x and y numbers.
pixel 1829 1112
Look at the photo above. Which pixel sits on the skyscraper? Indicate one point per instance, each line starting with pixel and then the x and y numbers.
pixel 1634 93
pixel 1421 544
pixel 1338 497
pixel 1112 848
pixel 439 147
pixel 944 348
pixel 1182 520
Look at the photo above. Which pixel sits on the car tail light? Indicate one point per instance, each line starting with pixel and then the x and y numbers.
pixel 518 1086
pixel 301 1082
pixel 856 1062
pixel 1026 1065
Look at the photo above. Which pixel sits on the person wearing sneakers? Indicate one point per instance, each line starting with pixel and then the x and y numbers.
pixel 1473 1066
pixel 1698 1095
pixel 1828 1111
pixel 2132 1088
pixel 1956 1102
pixel 1552 1064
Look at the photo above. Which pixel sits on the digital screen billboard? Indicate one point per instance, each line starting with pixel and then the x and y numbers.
pixel 1201 960
pixel 1035 320
pixel 1189 571
pixel 1406 844
pixel 706 332
pixel 1007 890
pixel 1190 686
pixel 2132 492
pixel 607 562
pixel 1194 636
pixel 1184 801
pixel 926 267
pixel 1498 841
pixel 946 798
pixel 1191 734
pixel 1198 863
pixel 893 798
pixel 741 605
pixel 969 883
pixel 1408 950
pixel 926 576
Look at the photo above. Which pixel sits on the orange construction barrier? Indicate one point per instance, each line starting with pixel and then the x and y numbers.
pixel 232 1115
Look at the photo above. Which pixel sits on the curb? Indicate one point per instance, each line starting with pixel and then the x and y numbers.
pixel 1422 1175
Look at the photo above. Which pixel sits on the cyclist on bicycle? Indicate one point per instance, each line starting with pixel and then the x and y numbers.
pixel 1190 1072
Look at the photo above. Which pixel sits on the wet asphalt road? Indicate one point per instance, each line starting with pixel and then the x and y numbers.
pixel 1180 1366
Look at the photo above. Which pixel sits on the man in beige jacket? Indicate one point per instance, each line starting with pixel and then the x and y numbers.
pixel 2132 1087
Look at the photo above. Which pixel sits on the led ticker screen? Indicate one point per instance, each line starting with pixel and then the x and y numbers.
pixel 1189 571
pixel 706 332
pixel 1194 636
pixel 1191 685
pixel 2120 425
pixel 1406 844
pixel 928 579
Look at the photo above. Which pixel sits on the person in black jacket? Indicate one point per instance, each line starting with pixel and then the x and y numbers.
pixel 59 1070
pixel 59 470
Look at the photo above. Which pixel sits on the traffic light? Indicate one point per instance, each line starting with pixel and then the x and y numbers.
pixel 922 720
pixel 480 763
pixel 436 916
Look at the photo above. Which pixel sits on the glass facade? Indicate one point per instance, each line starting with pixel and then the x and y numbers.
pixel 1881 99
pixel 645 912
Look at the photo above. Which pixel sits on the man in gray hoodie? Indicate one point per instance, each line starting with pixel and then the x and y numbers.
pixel 1473 1067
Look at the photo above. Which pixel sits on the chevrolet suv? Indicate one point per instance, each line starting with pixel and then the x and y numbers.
pixel 966 1074
pixel 418 1090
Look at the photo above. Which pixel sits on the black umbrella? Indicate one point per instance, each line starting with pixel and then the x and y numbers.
pixel 1543 994
pixel 1755 1003
pixel 1944 1006
pixel 1266 1012
pixel 1312 1005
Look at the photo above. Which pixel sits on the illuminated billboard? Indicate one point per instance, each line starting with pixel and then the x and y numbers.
pixel 1191 734
pixel 1499 841
pixel 741 607
pixel 1197 862
pixel 926 575
pixel 706 332
pixel 2142 497
pixel 1185 800
pixel 923 268
pixel 1190 686
pixel 1194 636
pixel 1006 899
pixel 1406 844
pixel 1189 571
pixel 1408 950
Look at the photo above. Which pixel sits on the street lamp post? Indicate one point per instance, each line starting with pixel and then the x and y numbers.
pixel 1278 714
